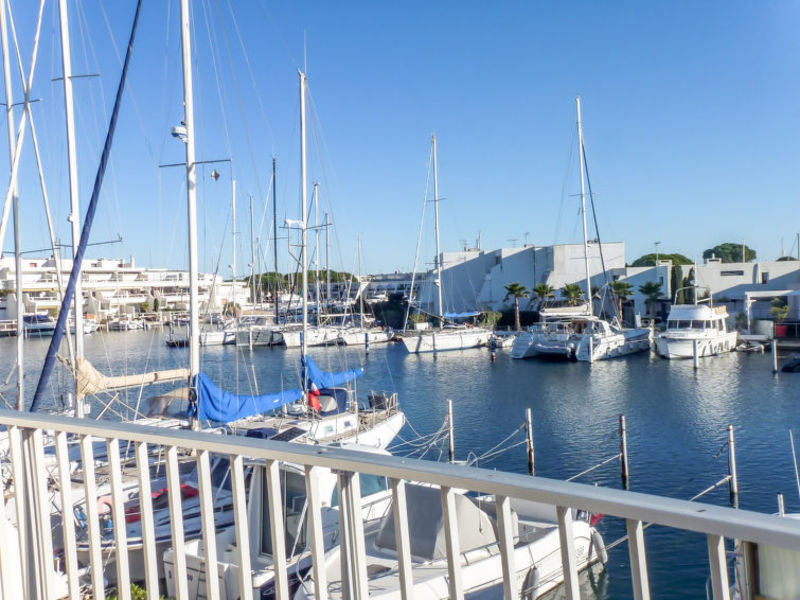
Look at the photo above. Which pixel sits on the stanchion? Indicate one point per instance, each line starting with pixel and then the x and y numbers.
pixel 733 482
pixel 452 448
pixel 623 451
pixel 529 434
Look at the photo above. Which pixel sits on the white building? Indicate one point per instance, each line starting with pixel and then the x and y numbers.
pixel 114 286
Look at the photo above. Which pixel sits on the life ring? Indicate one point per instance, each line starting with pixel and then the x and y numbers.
pixel 104 504
pixel 530 586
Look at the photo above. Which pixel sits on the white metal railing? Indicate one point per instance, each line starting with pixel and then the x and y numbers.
pixel 26 435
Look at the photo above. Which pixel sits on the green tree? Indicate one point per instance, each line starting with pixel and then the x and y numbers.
pixel 543 291
pixel 730 252
pixel 622 290
pixel 785 258
pixel 516 291
pixel 779 310
pixel 649 260
pixel 652 292
pixel 573 293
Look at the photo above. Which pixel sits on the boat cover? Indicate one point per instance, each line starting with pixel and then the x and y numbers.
pixel 213 404
pixel 426 525
pixel 461 315
pixel 323 379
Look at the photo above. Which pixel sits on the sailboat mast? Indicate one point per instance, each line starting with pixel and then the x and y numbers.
pixel 275 234
pixel 12 143
pixel 252 256
pixel 72 160
pixel 327 260
pixel 303 211
pixel 191 192
pixel 316 247
pixel 360 282
pixel 437 281
pixel 583 207
pixel 233 243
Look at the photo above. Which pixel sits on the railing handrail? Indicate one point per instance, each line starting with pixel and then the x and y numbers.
pixel 670 512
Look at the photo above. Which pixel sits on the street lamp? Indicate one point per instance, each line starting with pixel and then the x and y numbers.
pixel 657 244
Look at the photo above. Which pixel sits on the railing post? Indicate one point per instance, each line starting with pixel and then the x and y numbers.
pixel 719 567
pixel 93 540
pixel 24 528
pixel 175 501
pixel 356 557
pixel 40 508
pixel 639 578
pixel 241 526
pixel 453 547
pixel 67 522
pixel 118 520
pixel 568 559
pixel 277 532
pixel 146 518
pixel 207 523
pixel 506 543
pixel 317 536
pixel 403 541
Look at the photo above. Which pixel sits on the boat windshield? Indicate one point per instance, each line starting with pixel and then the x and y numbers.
pixel 293 486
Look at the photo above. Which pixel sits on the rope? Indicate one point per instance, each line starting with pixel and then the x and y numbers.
pixel 597 466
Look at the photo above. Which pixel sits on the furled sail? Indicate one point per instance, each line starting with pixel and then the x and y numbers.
pixel 213 404
pixel 91 381
pixel 324 379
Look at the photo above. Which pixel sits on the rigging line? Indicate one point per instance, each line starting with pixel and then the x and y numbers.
pixel 564 183
pixel 411 297
pixel 166 98
pixel 87 224
pixel 252 75
pixel 213 47
pixel 240 104
pixel 594 216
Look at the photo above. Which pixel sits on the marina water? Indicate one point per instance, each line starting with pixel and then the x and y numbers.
pixel 676 419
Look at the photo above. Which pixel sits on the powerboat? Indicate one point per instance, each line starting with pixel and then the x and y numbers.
pixel 700 325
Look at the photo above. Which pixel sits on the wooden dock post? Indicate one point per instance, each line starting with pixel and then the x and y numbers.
pixel 452 449
pixel 623 451
pixel 529 435
pixel 733 483
pixel 774 355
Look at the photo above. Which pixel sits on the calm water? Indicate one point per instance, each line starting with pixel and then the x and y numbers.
pixel 676 421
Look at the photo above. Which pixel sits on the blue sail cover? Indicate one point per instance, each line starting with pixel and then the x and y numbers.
pixel 323 379
pixel 223 407
pixel 461 315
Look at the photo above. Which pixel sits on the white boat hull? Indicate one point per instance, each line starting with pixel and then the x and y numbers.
pixel 358 337
pixel 590 348
pixel 315 336
pixel 217 338
pixel 259 336
pixel 445 340
pixel 683 347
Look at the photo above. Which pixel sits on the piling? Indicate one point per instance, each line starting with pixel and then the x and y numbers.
pixel 452 442
pixel 781 506
pixel 623 452
pixel 250 338
pixel 366 342
pixel 733 482
pixel 591 350
pixel 529 436
pixel 774 356
pixel 493 349
pixel 695 358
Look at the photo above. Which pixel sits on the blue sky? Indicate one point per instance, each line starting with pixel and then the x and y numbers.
pixel 691 113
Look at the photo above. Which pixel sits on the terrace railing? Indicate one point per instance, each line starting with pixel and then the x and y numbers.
pixel 27 434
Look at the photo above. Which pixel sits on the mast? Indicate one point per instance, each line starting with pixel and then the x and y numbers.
pixel 233 241
pixel 75 214
pixel 12 143
pixel 327 261
pixel 316 248
pixel 191 193
pixel 437 281
pixel 360 289
pixel 583 207
pixel 252 256
pixel 303 211
pixel 275 236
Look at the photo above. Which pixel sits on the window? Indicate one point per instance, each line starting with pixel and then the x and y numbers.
pixel 765 278
pixel 697 325
pixel 732 273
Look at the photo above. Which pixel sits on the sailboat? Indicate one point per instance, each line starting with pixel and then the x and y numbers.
pixel 581 335
pixel 450 337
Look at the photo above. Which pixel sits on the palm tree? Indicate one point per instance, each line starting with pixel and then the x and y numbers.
pixel 652 291
pixel 516 291
pixel 622 290
pixel 543 291
pixel 572 292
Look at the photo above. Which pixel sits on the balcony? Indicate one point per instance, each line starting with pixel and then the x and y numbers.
pixel 37 571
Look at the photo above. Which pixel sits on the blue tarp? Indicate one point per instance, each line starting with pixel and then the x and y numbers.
pixel 463 315
pixel 323 379
pixel 223 407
